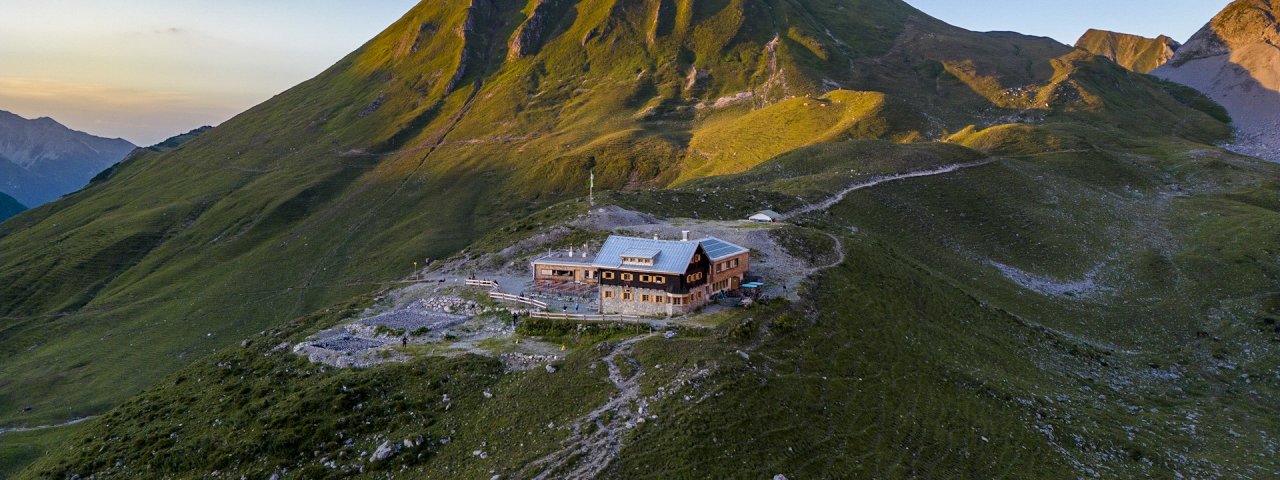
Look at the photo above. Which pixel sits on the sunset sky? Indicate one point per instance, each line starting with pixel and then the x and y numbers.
pixel 147 69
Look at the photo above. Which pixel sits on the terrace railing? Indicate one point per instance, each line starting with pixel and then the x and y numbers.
pixel 602 318
pixel 507 297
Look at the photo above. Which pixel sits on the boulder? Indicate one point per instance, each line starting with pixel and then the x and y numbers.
pixel 384 451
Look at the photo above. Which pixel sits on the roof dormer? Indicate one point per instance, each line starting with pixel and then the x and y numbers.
pixel 640 257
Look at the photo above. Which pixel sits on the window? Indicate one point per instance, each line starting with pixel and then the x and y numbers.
pixel 544 272
pixel 697 257
pixel 607 275
pixel 644 298
pixel 646 278
pixel 627 277
pixel 693 277
pixel 734 263
pixel 626 295
pixel 659 299
pixel 659 279
pixel 637 261
pixel 608 294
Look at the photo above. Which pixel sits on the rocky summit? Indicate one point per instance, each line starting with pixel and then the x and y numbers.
pixel 1235 60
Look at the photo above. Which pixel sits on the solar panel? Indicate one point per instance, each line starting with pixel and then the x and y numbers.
pixel 718 249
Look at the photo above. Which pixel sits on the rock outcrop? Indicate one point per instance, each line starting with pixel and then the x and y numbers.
pixel 1235 60
pixel 530 35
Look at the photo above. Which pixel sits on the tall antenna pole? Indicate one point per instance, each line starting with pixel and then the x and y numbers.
pixel 591 195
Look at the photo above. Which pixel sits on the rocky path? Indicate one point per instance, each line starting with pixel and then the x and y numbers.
pixel 597 436
pixel 46 427
pixel 839 196
pixel 840 256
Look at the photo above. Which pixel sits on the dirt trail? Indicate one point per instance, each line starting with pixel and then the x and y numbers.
pixel 586 454
pixel 840 257
pixel 838 197
pixel 46 427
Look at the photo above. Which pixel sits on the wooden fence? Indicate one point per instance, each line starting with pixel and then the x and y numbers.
pixel 590 317
pixel 496 295
pixel 482 283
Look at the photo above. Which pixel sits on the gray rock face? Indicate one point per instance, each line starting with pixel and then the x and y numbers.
pixel 1235 60
pixel 41 160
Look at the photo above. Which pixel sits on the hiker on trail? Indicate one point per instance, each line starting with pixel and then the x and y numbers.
pixel 576 307
pixel 404 341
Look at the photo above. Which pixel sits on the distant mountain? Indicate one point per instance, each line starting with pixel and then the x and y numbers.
pixel 9 207
pixel 1235 60
pixel 1134 52
pixel 41 160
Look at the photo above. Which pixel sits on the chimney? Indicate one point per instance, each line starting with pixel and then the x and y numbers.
pixel 684 235
pixel 570 251
pixel 655 237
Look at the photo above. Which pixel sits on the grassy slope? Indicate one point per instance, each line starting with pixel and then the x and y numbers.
pixel 20 450
pixel 915 358
pixel 322 191
pixel 315 196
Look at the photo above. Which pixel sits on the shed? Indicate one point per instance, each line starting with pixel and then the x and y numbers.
pixel 766 216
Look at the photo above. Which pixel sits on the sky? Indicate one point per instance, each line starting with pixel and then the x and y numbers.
pixel 145 70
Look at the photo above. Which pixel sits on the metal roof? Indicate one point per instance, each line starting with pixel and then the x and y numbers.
pixel 645 253
pixel 559 258
pixel 769 213
pixel 719 249
pixel 672 256
pixel 669 256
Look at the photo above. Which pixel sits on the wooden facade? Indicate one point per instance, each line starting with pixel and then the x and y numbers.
pixel 551 271
pixel 665 282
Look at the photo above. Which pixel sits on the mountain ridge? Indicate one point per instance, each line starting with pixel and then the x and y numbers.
pixel 1134 52
pixel 9 207
pixel 42 159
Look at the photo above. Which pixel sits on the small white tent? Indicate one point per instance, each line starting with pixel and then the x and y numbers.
pixel 766 216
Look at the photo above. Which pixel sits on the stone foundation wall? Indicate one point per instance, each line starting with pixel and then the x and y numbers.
pixel 636 306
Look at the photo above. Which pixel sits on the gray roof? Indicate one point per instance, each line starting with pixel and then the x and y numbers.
pixel 672 256
pixel 669 256
pixel 645 253
pixel 561 258
pixel 719 249
pixel 768 213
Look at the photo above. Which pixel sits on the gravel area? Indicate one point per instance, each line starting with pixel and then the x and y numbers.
pixel 410 320
pixel 347 343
